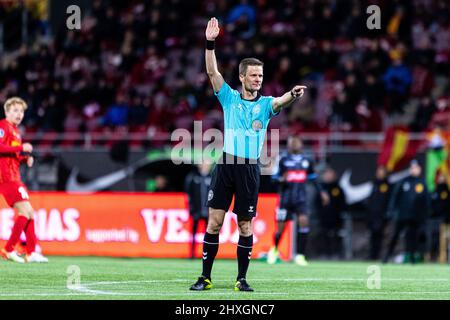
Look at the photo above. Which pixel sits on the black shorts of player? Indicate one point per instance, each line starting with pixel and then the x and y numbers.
pixel 239 177
pixel 286 212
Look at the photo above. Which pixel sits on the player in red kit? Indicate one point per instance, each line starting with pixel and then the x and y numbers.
pixel 12 154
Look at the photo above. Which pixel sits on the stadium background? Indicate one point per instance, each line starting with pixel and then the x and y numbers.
pixel 109 95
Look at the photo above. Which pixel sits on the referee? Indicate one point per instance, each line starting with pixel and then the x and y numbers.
pixel 246 117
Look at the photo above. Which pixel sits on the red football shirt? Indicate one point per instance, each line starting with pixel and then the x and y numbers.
pixel 10 148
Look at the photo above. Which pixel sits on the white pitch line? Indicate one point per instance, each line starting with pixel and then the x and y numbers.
pixel 222 293
pixel 267 280
pixel 85 289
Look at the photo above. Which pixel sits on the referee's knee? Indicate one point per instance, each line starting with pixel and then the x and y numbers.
pixel 245 228
pixel 213 227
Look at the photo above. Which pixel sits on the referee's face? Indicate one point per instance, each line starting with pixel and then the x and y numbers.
pixel 253 78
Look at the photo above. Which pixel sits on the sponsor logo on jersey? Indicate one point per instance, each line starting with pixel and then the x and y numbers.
pixel 257 125
pixel 305 163
pixel 384 188
pixel 335 192
pixel 419 188
pixel 298 176
pixel 2 133
pixel 406 187
pixel 289 163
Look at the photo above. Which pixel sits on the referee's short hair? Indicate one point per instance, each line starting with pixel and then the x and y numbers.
pixel 249 62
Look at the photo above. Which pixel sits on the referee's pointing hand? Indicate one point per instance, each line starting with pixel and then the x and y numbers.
pixel 298 91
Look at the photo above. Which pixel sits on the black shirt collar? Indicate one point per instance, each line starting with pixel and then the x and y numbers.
pixel 258 95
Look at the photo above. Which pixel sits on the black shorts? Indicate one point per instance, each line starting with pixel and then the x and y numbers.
pixel 238 179
pixel 286 212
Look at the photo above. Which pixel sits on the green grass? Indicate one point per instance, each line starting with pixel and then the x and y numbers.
pixel 111 278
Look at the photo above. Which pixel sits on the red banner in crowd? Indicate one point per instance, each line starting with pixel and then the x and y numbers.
pixel 134 225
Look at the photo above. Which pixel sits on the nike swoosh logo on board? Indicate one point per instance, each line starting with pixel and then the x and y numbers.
pixel 356 193
pixel 103 182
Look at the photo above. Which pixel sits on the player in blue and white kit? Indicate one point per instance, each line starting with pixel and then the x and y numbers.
pixel 246 117
pixel 294 171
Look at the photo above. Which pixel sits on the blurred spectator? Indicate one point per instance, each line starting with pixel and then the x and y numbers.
pixel 369 120
pixel 117 113
pixel 241 20
pixel 423 115
pixel 377 206
pixel 375 59
pixel 196 186
pixel 138 112
pixel 330 215
pixel 373 92
pixel 397 80
pixel 422 79
pixel 441 117
pixel 344 112
pixel 409 205
pixel 440 201
pixel 54 115
pixel 161 184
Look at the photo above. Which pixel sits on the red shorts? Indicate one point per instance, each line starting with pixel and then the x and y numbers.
pixel 14 192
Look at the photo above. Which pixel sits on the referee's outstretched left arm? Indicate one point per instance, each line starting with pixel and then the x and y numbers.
pixel 283 101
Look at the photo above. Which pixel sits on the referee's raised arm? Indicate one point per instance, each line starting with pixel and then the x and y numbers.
pixel 211 33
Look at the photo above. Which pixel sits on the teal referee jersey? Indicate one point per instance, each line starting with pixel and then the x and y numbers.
pixel 245 122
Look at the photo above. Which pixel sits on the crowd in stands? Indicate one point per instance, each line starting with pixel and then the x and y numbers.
pixel 139 65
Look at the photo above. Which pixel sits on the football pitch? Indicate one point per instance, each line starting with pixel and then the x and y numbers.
pixel 169 279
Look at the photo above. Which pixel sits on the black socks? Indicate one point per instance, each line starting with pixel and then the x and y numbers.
pixel 244 253
pixel 277 238
pixel 210 248
pixel 302 238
